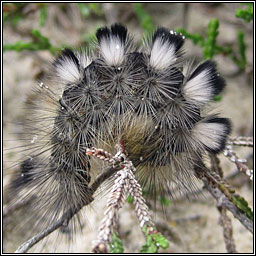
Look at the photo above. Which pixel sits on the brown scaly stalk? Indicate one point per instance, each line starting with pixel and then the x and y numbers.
pixel 241 141
pixel 222 193
pixel 224 220
pixel 240 163
pixel 114 203
pixel 124 182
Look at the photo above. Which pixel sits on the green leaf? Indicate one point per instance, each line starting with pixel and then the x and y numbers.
pixel 242 49
pixel 242 204
pixel 95 8
pixel 5 17
pixel 43 15
pixel 246 15
pixel 130 199
pixel 87 9
pixel 217 98
pixel 196 38
pixel 44 41
pixel 210 41
pixel 164 201
pixel 40 42
pixel 149 247
pixel 154 241
pixel 161 240
pixel 84 9
pixel 20 46
pixel 116 245
pixel 16 18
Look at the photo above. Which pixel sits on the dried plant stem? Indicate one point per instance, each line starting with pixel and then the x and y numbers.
pixel 240 163
pixel 227 204
pixel 222 193
pixel 124 182
pixel 35 239
pixel 141 208
pixel 114 203
pixel 224 220
pixel 227 230
pixel 241 141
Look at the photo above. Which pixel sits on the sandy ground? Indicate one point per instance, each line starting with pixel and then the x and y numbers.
pixel 192 225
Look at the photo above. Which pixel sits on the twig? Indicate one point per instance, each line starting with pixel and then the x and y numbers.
pixel 224 220
pixel 223 194
pixel 225 202
pixel 68 215
pixel 114 203
pixel 215 165
pixel 241 141
pixel 141 208
pixel 227 230
pixel 124 182
pixel 35 239
pixel 229 153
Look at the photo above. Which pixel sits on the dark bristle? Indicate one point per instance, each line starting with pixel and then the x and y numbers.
pixel 66 53
pixel 160 32
pixel 119 31
pixel 165 35
pixel 217 82
pixel 102 33
pixel 226 122
pixel 221 120
pixel 26 174
pixel 176 76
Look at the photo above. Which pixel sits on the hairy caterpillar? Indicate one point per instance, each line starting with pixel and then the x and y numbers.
pixel 147 98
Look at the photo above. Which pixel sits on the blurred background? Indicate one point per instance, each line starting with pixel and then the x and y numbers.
pixel 34 33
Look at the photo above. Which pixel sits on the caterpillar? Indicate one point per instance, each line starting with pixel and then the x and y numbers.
pixel 149 98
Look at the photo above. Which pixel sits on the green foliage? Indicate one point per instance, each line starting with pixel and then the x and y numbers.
pixel 210 47
pixel 154 241
pixel 89 8
pixel 144 19
pixel 16 18
pixel 242 48
pixel 196 38
pixel 130 199
pixel 95 8
pixel 165 201
pixel 237 200
pixel 210 41
pixel 217 98
pixel 242 204
pixel 43 15
pixel 84 9
pixel 12 12
pixel 116 245
pixel 39 42
pixel 246 15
